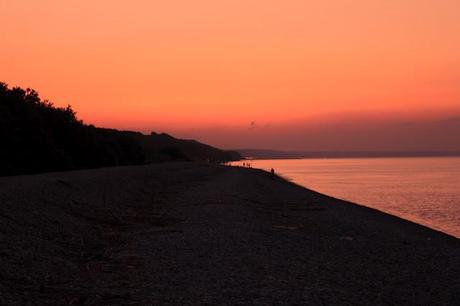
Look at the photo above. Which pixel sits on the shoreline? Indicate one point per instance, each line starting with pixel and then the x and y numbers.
pixel 426 193
pixel 291 181
pixel 188 233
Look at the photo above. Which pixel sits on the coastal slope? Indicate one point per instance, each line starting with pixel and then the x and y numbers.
pixel 37 137
pixel 191 233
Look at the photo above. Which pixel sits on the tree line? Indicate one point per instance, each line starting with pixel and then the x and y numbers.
pixel 37 136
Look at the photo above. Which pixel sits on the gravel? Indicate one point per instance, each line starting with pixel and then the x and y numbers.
pixel 198 234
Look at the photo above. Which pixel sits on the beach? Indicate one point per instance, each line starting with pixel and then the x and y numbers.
pixel 195 233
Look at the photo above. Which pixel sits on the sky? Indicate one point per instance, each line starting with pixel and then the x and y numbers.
pixel 292 74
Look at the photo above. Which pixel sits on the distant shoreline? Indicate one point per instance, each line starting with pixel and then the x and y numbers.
pixel 270 154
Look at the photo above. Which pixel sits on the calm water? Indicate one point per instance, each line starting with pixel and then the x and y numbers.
pixel 423 190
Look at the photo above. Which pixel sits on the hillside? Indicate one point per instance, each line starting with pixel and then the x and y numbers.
pixel 37 137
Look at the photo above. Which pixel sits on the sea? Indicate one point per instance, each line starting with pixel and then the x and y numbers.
pixel 425 190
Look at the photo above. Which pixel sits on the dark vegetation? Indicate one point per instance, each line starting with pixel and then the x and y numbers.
pixel 37 136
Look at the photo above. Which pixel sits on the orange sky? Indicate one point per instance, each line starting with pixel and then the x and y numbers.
pixel 180 64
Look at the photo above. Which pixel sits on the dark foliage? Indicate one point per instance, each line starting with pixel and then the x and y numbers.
pixel 165 146
pixel 38 137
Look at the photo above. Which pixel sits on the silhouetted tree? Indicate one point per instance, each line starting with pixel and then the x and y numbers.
pixel 37 136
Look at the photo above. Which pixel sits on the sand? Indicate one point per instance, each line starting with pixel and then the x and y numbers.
pixel 186 233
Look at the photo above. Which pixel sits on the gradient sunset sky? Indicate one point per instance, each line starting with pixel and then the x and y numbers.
pixel 292 74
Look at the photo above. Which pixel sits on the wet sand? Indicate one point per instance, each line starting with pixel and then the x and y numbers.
pixel 186 233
